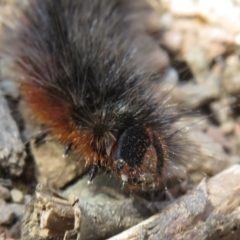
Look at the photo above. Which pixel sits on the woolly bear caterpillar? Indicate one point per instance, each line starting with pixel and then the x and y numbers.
pixel 82 73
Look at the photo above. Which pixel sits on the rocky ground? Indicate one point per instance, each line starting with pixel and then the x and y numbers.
pixel 201 39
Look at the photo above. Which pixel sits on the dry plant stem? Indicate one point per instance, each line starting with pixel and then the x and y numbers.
pixel 51 215
pixel 208 212
pixel 211 211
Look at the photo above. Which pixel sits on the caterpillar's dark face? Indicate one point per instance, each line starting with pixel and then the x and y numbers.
pixel 138 157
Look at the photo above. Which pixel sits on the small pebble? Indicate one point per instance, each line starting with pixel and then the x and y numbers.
pixel 167 20
pixel 217 135
pixel 18 209
pixel 231 75
pixel 17 196
pixel 196 58
pixel 7 215
pixel 173 40
pixel 6 182
pixel 220 113
pixel 183 7
pixel 171 76
pixel 10 88
pixel 227 127
pixel 193 95
pixel 4 193
pixel 27 198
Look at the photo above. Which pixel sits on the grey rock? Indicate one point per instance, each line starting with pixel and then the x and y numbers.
pixel 192 95
pixel 198 62
pixel 27 198
pixel 205 156
pixel 10 88
pixel 55 169
pixel 231 80
pixel 171 76
pixel 7 215
pixel 227 127
pixel 219 112
pixel 4 193
pixel 12 153
pixel 18 209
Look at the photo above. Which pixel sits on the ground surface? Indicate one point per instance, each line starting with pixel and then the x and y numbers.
pixel 202 40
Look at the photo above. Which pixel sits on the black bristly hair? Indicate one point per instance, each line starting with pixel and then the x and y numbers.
pixel 78 66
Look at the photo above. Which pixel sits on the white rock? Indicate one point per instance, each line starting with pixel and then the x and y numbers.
pixel 17 196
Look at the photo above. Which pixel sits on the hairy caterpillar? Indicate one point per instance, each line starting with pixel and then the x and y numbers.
pixel 82 72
